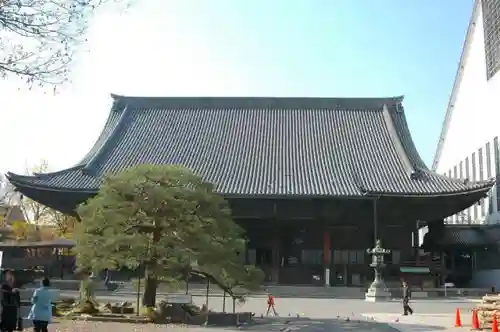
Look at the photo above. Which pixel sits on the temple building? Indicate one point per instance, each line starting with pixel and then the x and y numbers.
pixel 313 181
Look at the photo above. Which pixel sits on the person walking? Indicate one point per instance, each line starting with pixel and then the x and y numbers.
pixel 406 299
pixel 41 309
pixel 11 304
pixel 271 305
pixel 106 277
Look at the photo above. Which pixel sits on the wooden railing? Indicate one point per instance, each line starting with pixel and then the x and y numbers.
pixel 422 263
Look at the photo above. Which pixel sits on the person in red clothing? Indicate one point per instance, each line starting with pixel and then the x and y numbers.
pixel 270 305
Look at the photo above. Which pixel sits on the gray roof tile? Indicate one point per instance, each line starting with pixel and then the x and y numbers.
pixel 263 146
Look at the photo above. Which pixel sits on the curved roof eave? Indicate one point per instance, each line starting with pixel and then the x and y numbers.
pixel 20 181
pixel 480 187
pixel 456 85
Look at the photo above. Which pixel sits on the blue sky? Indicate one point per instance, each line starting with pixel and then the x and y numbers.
pixel 349 48
pixel 335 48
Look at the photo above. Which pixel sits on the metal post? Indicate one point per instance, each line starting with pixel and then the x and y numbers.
pixel 208 290
pixel 138 296
pixel 375 221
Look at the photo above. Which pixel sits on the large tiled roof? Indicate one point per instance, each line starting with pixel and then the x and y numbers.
pixel 263 146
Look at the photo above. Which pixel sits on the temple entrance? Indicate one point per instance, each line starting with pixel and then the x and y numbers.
pixel 301 256
pixel 263 256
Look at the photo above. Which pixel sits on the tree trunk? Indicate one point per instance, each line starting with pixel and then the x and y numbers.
pixel 150 278
pixel 150 286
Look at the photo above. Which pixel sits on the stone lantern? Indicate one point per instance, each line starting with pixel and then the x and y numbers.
pixel 378 291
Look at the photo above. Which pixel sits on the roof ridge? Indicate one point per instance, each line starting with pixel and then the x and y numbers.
pixel 94 160
pixel 397 98
pixel 109 125
pixel 396 140
pixel 257 102
pixel 399 118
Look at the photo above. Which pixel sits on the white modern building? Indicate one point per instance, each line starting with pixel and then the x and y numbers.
pixel 468 147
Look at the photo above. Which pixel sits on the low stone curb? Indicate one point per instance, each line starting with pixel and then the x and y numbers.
pixel 133 320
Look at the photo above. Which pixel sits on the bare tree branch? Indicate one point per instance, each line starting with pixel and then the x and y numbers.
pixel 8 195
pixel 35 212
pixel 39 38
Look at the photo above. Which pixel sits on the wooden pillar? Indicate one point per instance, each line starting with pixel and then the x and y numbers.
pixel 415 241
pixel 442 268
pixel 275 246
pixel 275 258
pixel 327 249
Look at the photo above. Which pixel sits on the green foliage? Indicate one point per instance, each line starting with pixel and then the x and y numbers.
pixel 162 218
pixel 169 285
pixel 235 279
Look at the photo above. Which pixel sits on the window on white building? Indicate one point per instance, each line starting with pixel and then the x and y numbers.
pixel 496 158
pixel 488 161
pixel 467 168
pixel 491 26
pixel 481 178
pixel 475 207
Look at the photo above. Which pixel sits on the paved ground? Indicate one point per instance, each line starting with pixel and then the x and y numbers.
pixel 316 315
pixel 278 325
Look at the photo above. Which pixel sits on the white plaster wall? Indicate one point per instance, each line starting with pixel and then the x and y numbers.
pixel 476 113
pixel 421 234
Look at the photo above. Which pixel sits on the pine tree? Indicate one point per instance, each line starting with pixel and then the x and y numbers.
pixel 162 219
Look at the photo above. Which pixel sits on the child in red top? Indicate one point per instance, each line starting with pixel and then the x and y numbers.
pixel 270 304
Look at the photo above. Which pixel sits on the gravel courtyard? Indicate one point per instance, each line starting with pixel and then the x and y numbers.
pixel 316 315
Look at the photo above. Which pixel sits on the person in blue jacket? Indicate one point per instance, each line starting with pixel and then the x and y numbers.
pixel 41 310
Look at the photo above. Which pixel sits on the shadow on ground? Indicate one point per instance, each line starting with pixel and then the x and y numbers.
pixel 277 324
pixel 27 323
